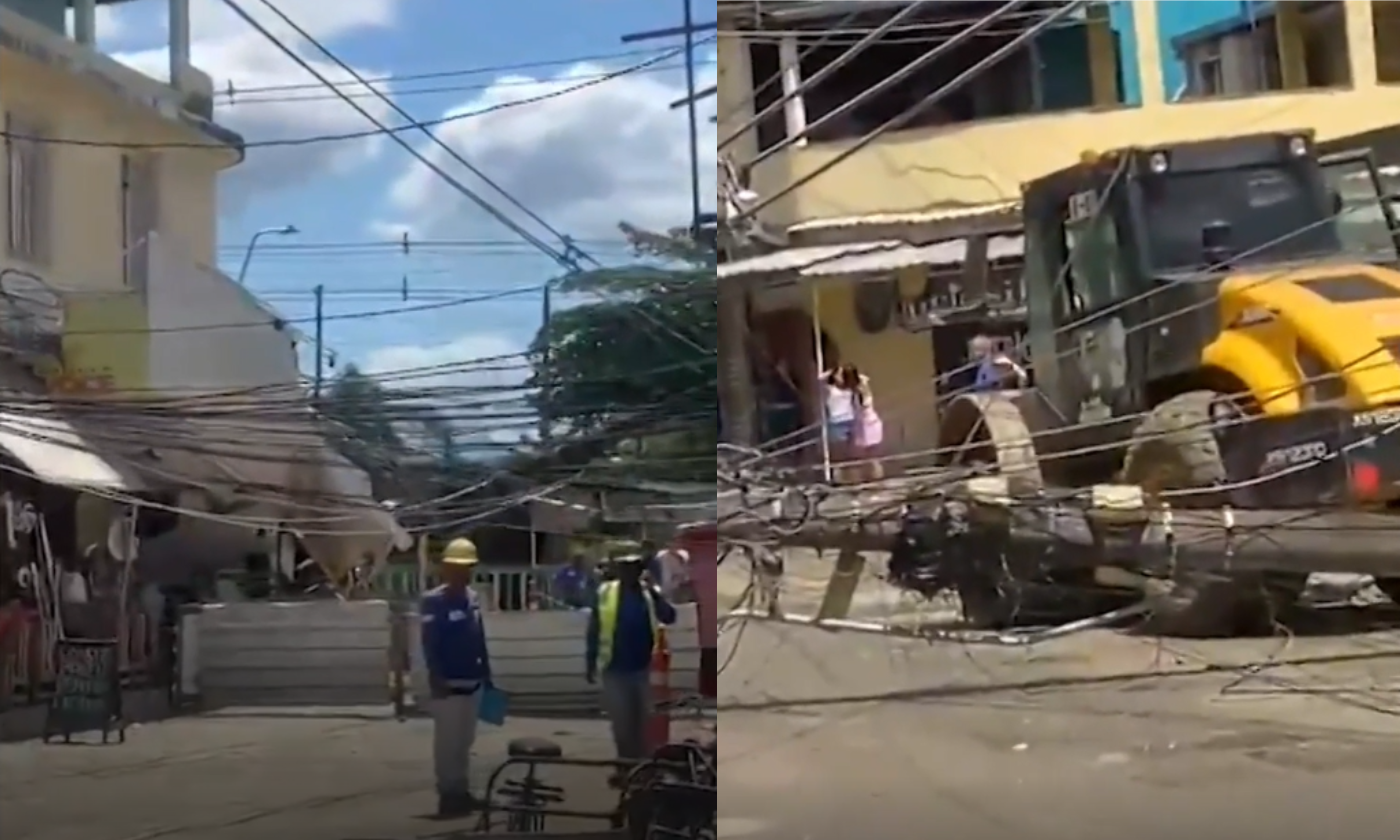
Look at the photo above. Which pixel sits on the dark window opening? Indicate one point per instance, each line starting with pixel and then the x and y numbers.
pixel 1241 55
pixel 766 69
pixel 1051 73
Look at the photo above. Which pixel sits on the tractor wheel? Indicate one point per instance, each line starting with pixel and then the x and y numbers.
pixel 1175 449
pixel 989 430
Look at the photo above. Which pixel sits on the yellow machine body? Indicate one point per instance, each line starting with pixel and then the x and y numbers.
pixel 1269 320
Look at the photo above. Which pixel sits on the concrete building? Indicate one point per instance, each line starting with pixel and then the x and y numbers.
pixel 109 294
pixel 1107 75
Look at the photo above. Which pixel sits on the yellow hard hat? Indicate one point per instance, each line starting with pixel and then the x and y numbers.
pixel 460 552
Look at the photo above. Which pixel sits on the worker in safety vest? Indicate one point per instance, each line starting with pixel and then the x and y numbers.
pixel 459 669
pixel 624 633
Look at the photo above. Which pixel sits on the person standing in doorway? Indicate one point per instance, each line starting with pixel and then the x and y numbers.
pixel 459 669
pixel 624 634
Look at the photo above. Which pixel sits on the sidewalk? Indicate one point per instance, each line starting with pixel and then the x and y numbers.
pixel 27 722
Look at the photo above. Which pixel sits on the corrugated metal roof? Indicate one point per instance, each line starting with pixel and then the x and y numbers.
pixel 952 252
pixel 943 214
pixel 795 259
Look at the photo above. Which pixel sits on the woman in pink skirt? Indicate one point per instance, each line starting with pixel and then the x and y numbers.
pixel 869 429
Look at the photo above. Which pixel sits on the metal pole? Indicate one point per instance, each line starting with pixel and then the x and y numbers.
pixel 248 256
pixel 692 115
pixel 319 381
pixel 285 230
pixel 821 383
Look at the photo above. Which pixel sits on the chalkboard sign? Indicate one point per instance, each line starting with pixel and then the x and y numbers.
pixel 87 691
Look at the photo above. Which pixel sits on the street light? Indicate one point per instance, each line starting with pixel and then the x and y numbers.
pixel 285 230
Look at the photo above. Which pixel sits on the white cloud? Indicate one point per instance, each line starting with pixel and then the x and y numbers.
pixel 583 160
pixel 232 52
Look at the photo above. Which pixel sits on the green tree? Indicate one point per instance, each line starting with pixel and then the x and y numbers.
pixel 632 374
pixel 364 411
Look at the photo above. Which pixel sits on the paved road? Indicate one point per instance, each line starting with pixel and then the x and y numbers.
pixel 829 736
pixel 314 774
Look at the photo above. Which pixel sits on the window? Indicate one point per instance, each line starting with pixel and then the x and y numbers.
pixel 1208 73
pixel 28 191
pixel 1268 47
pixel 1051 72
pixel 1091 249
pixel 1255 214
pixel 1360 201
pixel 1385 37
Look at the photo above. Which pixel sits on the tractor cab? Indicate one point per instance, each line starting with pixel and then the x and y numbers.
pixel 1126 253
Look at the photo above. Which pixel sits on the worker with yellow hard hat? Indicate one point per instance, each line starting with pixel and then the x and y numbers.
pixel 459 670
pixel 624 633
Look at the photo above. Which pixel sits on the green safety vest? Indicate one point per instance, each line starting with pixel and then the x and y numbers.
pixel 609 598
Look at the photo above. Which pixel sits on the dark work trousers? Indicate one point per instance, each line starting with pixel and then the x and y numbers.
pixel 628 703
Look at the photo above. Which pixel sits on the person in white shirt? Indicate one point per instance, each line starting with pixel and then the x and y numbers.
pixel 840 407
pixel 674 566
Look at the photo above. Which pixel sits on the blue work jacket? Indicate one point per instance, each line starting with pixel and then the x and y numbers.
pixel 454 640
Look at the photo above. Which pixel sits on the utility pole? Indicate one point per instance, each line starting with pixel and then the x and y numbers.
pixel 692 115
pixel 320 377
pixel 546 356
pixel 688 30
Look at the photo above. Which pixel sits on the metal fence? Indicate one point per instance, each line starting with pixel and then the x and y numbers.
pixel 499 589
pixel 352 653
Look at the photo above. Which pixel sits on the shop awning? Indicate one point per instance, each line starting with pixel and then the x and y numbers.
pixel 939 254
pixel 796 259
pixel 53 451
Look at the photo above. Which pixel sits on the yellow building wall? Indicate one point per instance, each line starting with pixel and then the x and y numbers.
pixel 105 339
pixel 87 240
pixel 987 161
pixel 899 364
pixel 105 321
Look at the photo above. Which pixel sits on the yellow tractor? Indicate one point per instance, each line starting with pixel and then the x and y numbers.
pixel 1217 322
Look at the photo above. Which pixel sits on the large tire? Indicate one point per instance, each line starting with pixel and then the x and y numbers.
pixel 989 429
pixel 1175 449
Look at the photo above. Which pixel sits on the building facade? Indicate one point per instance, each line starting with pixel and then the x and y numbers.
pixel 1102 76
pixel 108 292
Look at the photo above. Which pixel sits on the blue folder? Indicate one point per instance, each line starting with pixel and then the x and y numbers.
pixel 494 706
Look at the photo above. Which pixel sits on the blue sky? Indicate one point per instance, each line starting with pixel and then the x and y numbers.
pixel 582 161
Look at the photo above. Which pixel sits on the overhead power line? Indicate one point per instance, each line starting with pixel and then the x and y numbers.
pixel 232 88
pixel 902 119
pixel 569 256
pixel 380 131
pixel 241 99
